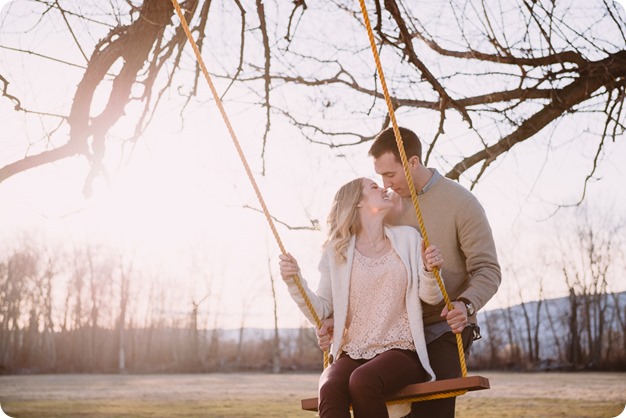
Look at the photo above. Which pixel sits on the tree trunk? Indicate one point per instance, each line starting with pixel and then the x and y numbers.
pixel 276 366
pixel 574 344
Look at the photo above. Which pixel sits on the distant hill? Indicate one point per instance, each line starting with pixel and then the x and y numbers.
pixel 535 335
pixel 543 333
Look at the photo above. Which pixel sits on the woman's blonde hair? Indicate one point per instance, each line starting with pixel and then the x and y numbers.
pixel 343 220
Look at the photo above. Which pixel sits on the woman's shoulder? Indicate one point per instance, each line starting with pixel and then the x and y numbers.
pixel 406 240
pixel 402 231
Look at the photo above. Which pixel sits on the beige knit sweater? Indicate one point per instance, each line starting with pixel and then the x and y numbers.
pixel 457 224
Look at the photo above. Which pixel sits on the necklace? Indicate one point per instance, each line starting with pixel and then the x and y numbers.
pixel 373 246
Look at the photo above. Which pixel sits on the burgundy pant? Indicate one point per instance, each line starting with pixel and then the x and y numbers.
pixel 365 383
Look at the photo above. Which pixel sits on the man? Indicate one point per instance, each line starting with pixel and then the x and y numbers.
pixel 456 222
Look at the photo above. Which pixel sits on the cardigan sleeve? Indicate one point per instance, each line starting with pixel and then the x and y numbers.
pixel 429 291
pixel 428 288
pixel 410 240
pixel 321 301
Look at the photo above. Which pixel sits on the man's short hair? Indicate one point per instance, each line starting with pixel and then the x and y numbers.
pixel 385 142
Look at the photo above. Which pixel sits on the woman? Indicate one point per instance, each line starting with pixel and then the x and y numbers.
pixel 372 280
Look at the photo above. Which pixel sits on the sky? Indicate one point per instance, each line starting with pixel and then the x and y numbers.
pixel 175 202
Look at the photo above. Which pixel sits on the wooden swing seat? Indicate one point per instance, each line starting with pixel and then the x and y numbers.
pixel 417 390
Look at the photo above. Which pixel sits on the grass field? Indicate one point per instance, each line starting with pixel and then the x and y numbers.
pixel 263 395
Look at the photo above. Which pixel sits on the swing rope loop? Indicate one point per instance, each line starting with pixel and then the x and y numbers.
pixel 242 157
pixel 407 173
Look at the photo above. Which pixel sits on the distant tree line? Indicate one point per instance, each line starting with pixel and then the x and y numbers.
pixel 586 329
pixel 579 332
pixel 91 309
pixel 80 314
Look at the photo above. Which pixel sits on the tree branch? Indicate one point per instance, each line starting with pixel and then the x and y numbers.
pixel 266 77
pixel 315 226
pixel 595 75
pixel 445 99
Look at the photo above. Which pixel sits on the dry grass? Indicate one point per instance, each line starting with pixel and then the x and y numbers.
pixel 259 395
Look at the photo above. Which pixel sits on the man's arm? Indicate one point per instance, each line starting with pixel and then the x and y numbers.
pixel 477 244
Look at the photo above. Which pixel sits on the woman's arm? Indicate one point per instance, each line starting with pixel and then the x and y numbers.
pixel 320 301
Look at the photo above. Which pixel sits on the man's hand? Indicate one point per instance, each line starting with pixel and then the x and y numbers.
pixel 457 317
pixel 325 333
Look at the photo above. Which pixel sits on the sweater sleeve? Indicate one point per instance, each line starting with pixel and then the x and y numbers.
pixel 476 242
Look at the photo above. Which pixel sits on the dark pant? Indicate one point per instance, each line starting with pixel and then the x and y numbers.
pixel 444 359
pixel 365 383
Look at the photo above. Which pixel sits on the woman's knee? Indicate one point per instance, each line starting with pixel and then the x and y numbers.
pixel 333 385
pixel 330 388
pixel 363 380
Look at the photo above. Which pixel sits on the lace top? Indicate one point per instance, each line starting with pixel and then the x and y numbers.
pixel 377 316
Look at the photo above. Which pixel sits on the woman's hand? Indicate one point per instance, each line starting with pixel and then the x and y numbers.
pixel 288 266
pixel 431 257
pixel 325 333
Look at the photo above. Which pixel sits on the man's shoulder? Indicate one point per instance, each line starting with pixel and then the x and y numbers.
pixel 453 185
pixel 451 190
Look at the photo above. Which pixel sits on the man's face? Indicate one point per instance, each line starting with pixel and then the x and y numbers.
pixel 392 173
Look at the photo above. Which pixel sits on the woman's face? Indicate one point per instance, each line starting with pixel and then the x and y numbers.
pixel 375 198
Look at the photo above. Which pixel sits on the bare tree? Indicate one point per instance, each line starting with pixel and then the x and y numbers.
pixel 620 315
pixel 276 364
pixel 512 71
pixel 556 327
pixel 196 358
pixel 588 263
pixel 573 344
pixel 533 324
pixel 49 347
pixel 245 305
pixel 26 318
pixel 91 323
pixel 125 275
pixel 511 353
pixel 494 340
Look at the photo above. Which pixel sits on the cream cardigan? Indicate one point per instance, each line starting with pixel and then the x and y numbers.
pixel 331 298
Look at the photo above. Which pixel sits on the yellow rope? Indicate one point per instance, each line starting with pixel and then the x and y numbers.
pixel 443 395
pixel 242 157
pixel 264 206
pixel 407 173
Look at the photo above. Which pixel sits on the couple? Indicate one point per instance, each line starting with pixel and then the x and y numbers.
pixel 377 293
